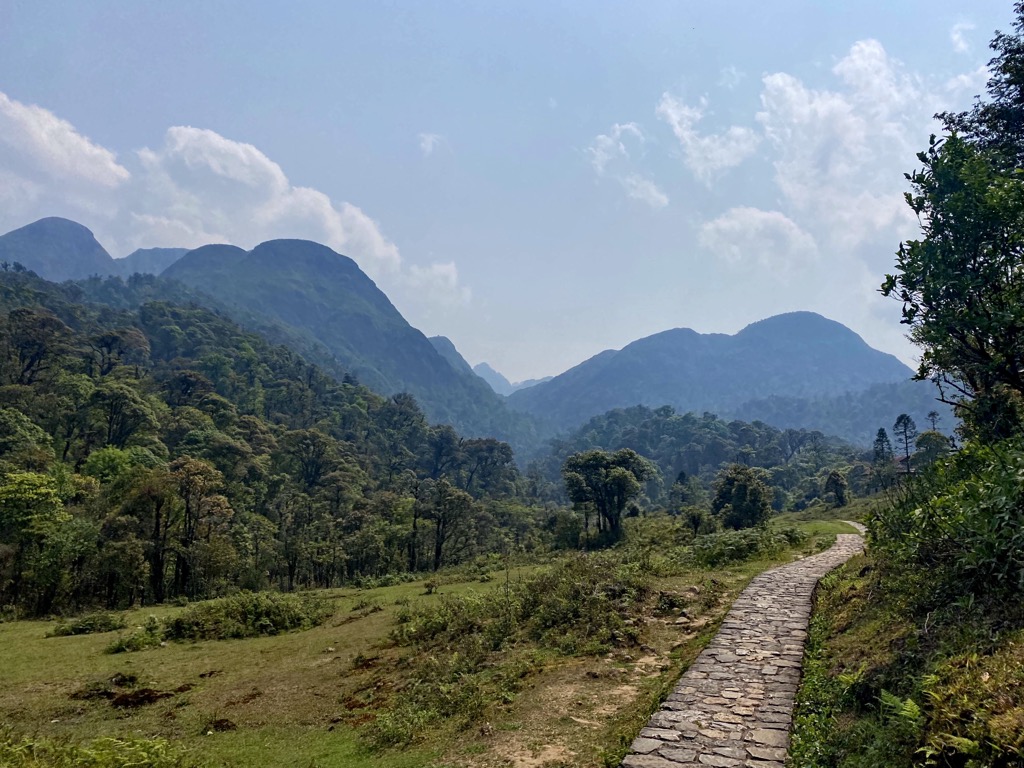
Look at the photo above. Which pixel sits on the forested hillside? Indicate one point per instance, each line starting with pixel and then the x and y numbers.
pixel 324 296
pixel 162 451
pixel 691 450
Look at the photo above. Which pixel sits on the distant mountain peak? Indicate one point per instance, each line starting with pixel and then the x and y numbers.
pixel 56 249
pixel 497 382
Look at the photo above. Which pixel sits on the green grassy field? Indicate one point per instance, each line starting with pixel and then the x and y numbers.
pixel 291 699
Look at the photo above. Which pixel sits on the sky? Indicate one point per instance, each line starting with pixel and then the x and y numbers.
pixel 538 181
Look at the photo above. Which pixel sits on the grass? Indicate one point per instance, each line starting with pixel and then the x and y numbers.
pixel 899 674
pixel 288 699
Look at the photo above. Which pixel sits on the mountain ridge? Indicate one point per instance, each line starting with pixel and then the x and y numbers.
pixel 797 354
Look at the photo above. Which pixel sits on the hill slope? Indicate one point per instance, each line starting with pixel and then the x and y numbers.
pixel 797 355
pixel 448 351
pixel 326 297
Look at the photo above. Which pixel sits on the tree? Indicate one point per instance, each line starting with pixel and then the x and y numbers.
pixel 836 485
pixel 742 499
pixel 450 509
pixel 934 418
pixel 931 446
pixel 905 431
pixel 882 460
pixel 960 284
pixel 607 481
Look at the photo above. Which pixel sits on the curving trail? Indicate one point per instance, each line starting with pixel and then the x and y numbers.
pixel 734 706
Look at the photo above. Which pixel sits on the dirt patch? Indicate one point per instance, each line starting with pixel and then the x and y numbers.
pixel 221 725
pixel 546 756
pixel 138 698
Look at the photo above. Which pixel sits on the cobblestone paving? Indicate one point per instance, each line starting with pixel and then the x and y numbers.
pixel 734 706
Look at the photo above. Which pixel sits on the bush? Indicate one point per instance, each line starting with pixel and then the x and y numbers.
pixel 149 635
pixel 248 614
pixel 88 624
pixel 718 549
pixel 963 516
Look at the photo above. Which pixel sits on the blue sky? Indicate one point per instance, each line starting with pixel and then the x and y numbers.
pixel 538 181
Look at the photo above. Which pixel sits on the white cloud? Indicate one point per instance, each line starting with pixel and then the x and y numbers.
pixel 612 146
pixel 197 187
pixel 958 37
pixel 439 280
pixel 747 236
pixel 203 187
pixel 705 155
pixel 610 156
pixel 730 77
pixel 429 142
pixel 46 163
pixel 645 190
pixel 53 147
pixel 970 83
pixel 838 155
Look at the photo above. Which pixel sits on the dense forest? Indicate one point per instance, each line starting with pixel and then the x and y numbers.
pixel 151 449
pixel 160 451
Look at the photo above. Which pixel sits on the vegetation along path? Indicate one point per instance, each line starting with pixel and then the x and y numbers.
pixel 734 705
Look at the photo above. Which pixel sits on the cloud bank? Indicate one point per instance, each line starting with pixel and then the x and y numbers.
pixel 196 187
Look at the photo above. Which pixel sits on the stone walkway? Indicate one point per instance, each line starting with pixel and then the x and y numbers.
pixel 734 706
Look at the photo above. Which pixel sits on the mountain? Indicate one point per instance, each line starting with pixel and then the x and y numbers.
pixel 498 383
pixel 147 261
pixel 447 350
pixel 325 298
pixel 56 249
pixel 527 383
pixel 797 355
pixel 59 249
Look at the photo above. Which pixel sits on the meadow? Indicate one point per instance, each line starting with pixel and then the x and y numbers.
pixel 386 678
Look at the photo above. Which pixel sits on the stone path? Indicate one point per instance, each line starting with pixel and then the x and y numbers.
pixel 734 706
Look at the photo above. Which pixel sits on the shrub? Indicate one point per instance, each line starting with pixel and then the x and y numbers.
pixel 247 614
pixel 963 516
pixel 718 549
pixel 88 624
pixel 149 635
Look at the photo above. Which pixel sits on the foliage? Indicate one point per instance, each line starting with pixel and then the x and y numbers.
pixel 962 517
pixel 900 675
pixel 961 290
pixel 690 450
pixel 719 549
pixel 461 646
pixel 88 624
pixel 742 499
pixel 247 614
pixel 607 482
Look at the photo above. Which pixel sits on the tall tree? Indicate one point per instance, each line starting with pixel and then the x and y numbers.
pixel 882 459
pixel 905 431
